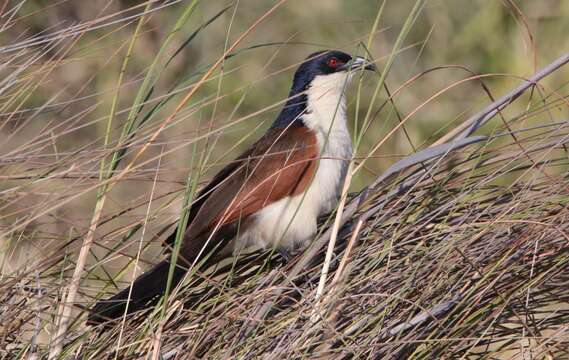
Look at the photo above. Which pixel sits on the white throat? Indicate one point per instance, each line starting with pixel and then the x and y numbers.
pixel 326 115
pixel 326 103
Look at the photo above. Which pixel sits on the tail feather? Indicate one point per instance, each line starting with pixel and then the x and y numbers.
pixel 147 288
pixel 146 291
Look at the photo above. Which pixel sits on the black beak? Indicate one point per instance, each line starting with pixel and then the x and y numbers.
pixel 359 63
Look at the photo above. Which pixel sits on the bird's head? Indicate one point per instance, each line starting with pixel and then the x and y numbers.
pixel 329 62
pixel 322 77
pixel 330 65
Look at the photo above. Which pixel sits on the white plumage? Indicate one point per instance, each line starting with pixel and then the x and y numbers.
pixel 291 222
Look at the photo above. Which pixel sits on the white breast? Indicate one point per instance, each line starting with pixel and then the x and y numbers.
pixel 289 223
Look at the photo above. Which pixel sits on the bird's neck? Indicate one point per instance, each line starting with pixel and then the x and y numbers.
pixel 326 104
pixel 319 105
pixel 294 108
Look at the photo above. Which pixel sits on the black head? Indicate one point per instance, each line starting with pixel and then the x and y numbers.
pixel 326 62
pixel 320 63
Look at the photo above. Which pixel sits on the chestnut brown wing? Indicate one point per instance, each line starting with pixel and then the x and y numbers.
pixel 281 164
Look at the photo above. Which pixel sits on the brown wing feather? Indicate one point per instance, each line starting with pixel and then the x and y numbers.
pixel 282 163
pixel 207 190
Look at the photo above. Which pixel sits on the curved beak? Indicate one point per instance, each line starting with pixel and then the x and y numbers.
pixel 359 63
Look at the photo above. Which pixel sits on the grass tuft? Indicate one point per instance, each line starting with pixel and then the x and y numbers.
pixel 451 240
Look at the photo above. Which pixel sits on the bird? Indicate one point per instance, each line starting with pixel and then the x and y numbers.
pixel 273 193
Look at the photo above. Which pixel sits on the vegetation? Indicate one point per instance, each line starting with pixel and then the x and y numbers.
pixel 451 240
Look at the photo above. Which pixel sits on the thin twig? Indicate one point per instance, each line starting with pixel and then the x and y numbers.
pixel 332 243
pixel 476 121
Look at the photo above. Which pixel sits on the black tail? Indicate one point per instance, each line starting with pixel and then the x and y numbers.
pixel 146 291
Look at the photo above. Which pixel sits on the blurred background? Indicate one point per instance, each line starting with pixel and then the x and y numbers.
pixel 63 77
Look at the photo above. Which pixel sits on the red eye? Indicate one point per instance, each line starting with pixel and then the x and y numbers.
pixel 333 62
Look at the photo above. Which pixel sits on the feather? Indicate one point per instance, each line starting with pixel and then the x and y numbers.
pixel 281 164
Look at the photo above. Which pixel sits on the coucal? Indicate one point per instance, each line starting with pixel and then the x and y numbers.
pixel 271 195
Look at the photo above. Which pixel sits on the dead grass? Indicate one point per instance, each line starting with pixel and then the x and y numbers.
pixel 459 250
